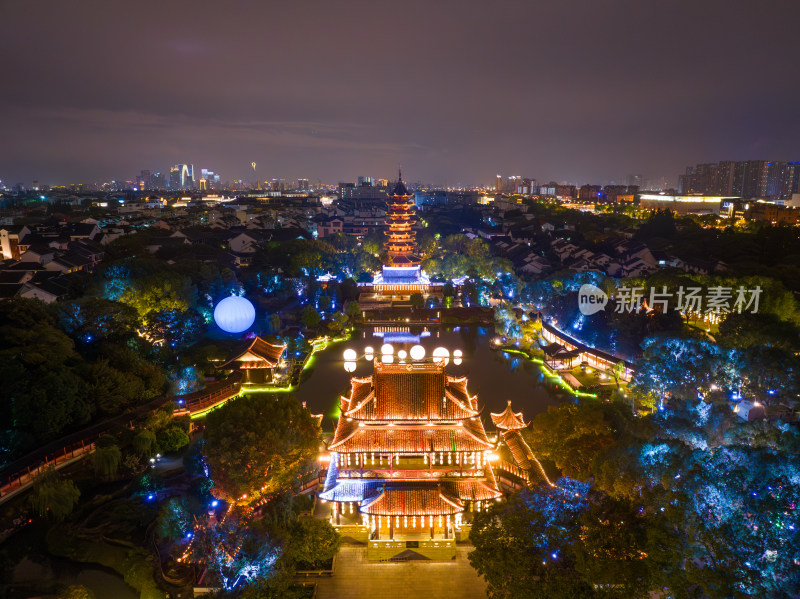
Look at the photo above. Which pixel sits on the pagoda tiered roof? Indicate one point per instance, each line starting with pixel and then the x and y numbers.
pixel 508 419
pixel 353 436
pixel 256 353
pixel 409 392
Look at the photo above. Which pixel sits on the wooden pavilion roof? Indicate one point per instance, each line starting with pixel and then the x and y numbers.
pixel 508 419
pixel 256 351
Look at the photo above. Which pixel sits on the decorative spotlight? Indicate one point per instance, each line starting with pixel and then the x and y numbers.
pixel 387 349
pixel 349 366
pixel 402 354
pixel 441 355
pixel 350 355
pixel 417 352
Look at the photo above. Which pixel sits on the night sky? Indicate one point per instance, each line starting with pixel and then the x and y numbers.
pixel 454 91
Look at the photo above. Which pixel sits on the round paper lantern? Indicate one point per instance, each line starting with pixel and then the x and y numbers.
pixel 350 366
pixel 402 354
pixel 417 352
pixel 387 349
pixel 350 355
pixel 368 350
pixel 387 358
pixel 234 314
pixel 457 353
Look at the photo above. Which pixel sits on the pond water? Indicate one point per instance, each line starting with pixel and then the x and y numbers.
pixel 495 376
pixel 103 582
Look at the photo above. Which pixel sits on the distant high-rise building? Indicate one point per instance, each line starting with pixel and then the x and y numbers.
pixel 590 192
pixel 303 184
pixel 346 190
pixel 145 180
pixel 635 180
pixel 746 178
pixel 181 176
pixel 507 184
pixel 368 181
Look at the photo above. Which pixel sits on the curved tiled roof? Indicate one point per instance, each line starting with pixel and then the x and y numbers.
pixel 351 437
pixel 411 391
pixel 508 419
pixel 413 501
pixel 256 350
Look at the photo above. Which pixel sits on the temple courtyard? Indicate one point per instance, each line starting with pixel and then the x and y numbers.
pixel 355 577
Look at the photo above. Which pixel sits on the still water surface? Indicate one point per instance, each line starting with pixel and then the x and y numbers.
pixel 494 376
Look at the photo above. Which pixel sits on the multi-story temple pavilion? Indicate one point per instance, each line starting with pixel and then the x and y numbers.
pixel 410 459
pixel 402 274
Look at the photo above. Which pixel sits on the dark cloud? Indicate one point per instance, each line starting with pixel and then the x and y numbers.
pixel 580 90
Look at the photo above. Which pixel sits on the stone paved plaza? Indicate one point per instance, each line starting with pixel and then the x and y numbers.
pixel 356 578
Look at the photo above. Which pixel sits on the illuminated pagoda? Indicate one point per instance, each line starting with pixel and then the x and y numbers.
pixel 256 359
pixel 402 275
pixel 410 459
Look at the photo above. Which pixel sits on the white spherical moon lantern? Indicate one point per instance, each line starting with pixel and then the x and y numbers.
pixel 387 349
pixel 457 353
pixel 234 314
pixel 402 354
pixel 368 351
pixel 350 355
pixel 350 366
pixel 440 354
pixel 417 352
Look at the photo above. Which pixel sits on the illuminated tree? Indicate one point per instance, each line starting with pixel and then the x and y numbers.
pixel 259 444
pixel 174 519
pixel 161 292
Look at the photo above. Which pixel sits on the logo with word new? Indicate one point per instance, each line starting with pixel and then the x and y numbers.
pixel 591 299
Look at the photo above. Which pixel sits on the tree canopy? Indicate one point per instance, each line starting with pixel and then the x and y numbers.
pixel 259 444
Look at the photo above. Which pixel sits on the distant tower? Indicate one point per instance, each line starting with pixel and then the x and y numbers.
pixel 401 244
pixel 402 274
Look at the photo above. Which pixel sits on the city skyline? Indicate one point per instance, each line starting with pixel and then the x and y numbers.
pixel 454 93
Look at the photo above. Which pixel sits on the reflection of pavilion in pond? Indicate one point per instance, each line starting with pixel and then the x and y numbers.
pixel 410 459
pixel 256 359
pixel 399 335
